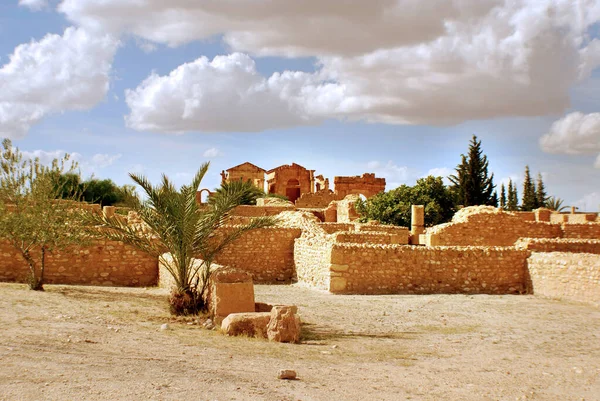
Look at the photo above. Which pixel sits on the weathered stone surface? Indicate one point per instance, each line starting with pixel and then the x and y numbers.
pixel 284 324
pixel 230 291
pixel 262 307
pixel 246 324
pixel 287 374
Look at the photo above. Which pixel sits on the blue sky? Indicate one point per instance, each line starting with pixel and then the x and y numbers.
pixel 395 102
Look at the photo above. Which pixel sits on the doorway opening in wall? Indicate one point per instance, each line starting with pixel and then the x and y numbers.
pixel 292 190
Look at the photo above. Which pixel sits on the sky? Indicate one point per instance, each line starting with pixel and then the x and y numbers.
pixel 394 87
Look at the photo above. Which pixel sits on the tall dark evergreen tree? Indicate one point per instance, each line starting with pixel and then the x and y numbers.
pixel 472 185
pixel 513 197
pixel 502 196
pixel 529 197
pixel 540 192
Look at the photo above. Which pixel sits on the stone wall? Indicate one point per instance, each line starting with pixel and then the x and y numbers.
pixel 312 254
pixel 320 199
pixel 370 238
pixel 346 212
pixel 488 226
pixel 396 269
pixel 559 245
pixel 331 228
pixel 367 185
pixel 577 218
pixel 258 211
pixel 266 253
pixel 567 276
pixel 106 263
pixel 586 230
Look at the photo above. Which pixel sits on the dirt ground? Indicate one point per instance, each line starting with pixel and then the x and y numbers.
pixel 92 343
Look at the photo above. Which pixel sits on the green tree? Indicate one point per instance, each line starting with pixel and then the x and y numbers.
pixel 251 192
pixel 472 184
pixel 529 198
pixel 554 203
pixel 394 207
pixel 540 193
pixel 512 202
pixel 179 226
pixel 503 196
pixel 31 218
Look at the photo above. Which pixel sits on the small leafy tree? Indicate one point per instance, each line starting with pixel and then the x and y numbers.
pixel 472 183
pixel 181 227
pixel 31 219
pixel 394 207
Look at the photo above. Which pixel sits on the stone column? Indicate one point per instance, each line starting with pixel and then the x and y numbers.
pixel 417 223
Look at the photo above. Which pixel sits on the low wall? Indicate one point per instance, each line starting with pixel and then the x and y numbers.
pixel 396 269
pixel 489 228
pixel 586 230
pixel 368 238
pixel 266 253
pixel 318 199
pixel 312 254
pixel 559 245
pixel 567 276
pixel 331 228
pixel 257 211
pixel 106 263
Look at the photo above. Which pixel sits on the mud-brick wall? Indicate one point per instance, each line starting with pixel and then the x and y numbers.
pixel 106 263
pixel 396 269
pixel 569 276
pixel 266 253
pixel 586 230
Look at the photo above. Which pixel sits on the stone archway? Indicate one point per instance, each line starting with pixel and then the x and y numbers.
pixel 200 193
pixel 292 190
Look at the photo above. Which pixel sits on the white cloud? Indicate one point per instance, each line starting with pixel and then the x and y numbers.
pixel 597 163
pixel 146 46
pixel 101 160
pixel 589 203
pixel 280 28
pixel 34 5
pixel 53 75
pixel 87 165
pixel 212 152
pixel 576 133
pixel 225 94
pixel 46 157
pixel 394 175
pixel 397 62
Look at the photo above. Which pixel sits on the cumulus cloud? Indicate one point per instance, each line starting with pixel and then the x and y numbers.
pixel 597 163
pixel 91 164
pixel 280 28
pixel 394 174
pixel 34 5
pixel 589 203
pixel 225 94
pixel 467 60
pixel 101 160
pixel 56 74
pixel 574 134
pixel 212 152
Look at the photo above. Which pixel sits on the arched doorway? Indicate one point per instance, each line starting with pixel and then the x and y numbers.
pixel 292 190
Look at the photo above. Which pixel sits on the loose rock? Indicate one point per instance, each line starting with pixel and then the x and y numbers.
pixel 287 374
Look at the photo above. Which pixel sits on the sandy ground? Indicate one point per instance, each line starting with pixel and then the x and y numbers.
pixel 75 343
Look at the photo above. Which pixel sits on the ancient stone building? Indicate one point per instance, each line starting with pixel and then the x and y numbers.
pixel 291 181
pixel 245 171
pixel 366 185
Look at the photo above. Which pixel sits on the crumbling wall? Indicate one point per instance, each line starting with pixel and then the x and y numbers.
pixel 258 211
pixel 585 230
pixel 488 226
pixel 107 263
pixel 266 253
pixel 370 238
pixel 320 199
pixel 331 228
pixel 559 245
pixel 367 185
pixel 346 211
pixel 569 276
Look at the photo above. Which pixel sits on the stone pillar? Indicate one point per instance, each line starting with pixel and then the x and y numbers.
pixel 542 214
pixel 573 209
pixel 109 211
pixel 417 223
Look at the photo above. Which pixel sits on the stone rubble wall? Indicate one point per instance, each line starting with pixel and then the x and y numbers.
pixel 331 228
pixel 346 211
pixel 396 269
pixel 585 230
pixel 266 253
pixel 576 218
pixel 559 245
pixel 488 226
pixel 104 263
pixel 320 199
pixel 312 253
pixel 567 276
pixel 372 237
pixel 258 211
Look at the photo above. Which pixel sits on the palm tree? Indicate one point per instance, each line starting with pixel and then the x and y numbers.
pixel 556 204
pixel 180 227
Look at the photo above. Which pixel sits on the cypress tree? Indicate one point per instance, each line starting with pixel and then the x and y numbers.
pixel 502 196
pixel 513 197
pixel 472 185
pixel 540 193
pixel 529 197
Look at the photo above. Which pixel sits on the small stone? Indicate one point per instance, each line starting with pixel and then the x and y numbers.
pixel 287 374
pixel 164 326
pixel 209 324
